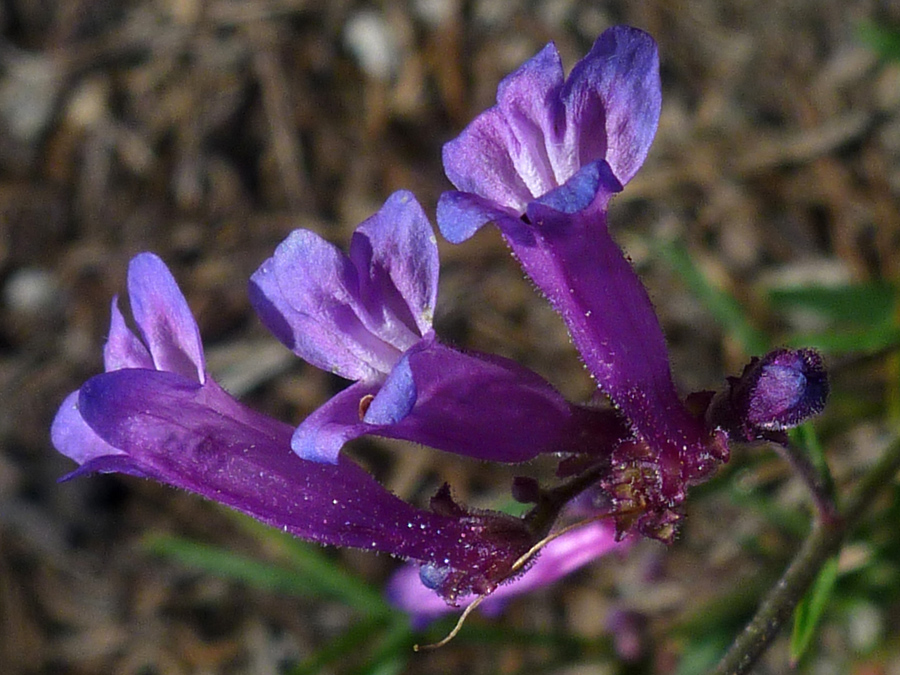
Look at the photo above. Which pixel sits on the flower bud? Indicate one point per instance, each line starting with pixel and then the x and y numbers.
pixel 777 392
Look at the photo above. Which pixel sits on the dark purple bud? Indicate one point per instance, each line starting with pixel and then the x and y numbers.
pixel 777 392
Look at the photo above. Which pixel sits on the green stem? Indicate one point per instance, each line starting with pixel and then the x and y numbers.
pixel 818 483
pixel 823 542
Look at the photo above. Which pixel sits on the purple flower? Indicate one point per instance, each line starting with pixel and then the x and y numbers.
pixel 542 165
pixel 566 142
pixel 156 413
pixel 367 317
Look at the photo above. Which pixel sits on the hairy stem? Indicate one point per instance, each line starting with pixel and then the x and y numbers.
pixel 551 502
pixel 824 541
pixel 820 487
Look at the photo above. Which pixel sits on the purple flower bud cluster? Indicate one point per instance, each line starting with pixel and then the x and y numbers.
pixel 541 165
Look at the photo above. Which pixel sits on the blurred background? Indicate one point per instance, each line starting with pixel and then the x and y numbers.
pixel 206 130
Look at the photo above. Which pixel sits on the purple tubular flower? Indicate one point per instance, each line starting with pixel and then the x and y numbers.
pixel 367 317
pixel 408 590
pixel 157 414
pixel 542 165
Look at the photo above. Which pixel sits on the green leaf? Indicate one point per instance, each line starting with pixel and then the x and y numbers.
pixel 311 562
pixel 847 341
pixel 723 306
pixel 392 653
pixel 702 653
pixel 306 572
pixel 342 648
pixel 857 305
pixel 229 565
pixel 791 521
pixel 882 40
pixel 805 438
pixel 811 609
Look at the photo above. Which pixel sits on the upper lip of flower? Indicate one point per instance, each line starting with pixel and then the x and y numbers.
pixel 545 128
pixel 356 314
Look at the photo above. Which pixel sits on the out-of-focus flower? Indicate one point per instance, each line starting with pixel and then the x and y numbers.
pixel 408 589
pixel 368 317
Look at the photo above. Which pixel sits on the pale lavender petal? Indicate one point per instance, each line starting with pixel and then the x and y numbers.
pixel 356 315
pixel 543 130
pixel 560 557
pixel 164 318
pixel 478 161
pixel 612 101
pixel 72 436
pixel 322 330
pixel 307 294
pixel 123 349
pixel 529 102
pixel 396 254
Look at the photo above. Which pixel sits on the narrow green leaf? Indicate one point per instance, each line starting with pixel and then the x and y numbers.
pixel 342 648
pixel 786 520
pixel 229 565
pixel 849 341
pixel 311 562
pixel 723 306
pixel 806 439
pixel 811 609
pixel 882 40
pixel 393 652
pixel 702 653
pixel 857 305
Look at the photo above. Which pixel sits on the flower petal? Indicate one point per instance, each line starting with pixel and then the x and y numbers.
pixel 462 214
pixel 613 99
pixel 396 255
pixel 471 404
pixel 479 161
pixel 487 407
pixel 164 318
pixel 593 185
pixel 123 349
pixel 307 295
pixel 353 315
pixel 529 101
pixel 320 436
pixel 72 436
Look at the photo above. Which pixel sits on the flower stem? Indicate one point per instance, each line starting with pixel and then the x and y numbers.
pixel 819 485
pixel 551 503
pixel 824 541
